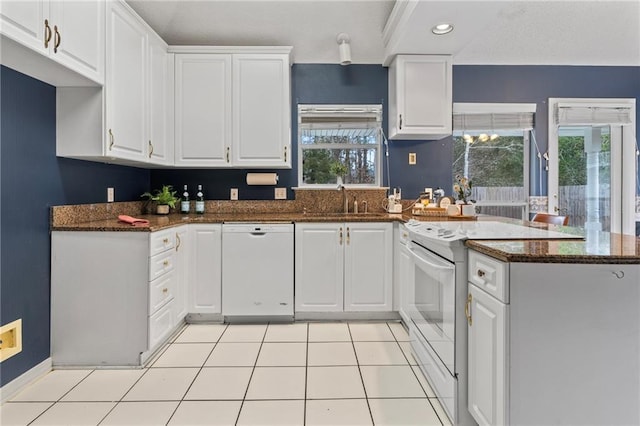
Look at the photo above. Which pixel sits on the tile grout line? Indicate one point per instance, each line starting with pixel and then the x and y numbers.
pixel 197 374
pixel 416 376
pixel 306 378
pixel 59 399
pixel 364 388
pixel 255 363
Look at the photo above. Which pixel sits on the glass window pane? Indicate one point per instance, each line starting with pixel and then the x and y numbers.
pixel 514 212
pixel 584 175
pixel 356 166
pixel 496 167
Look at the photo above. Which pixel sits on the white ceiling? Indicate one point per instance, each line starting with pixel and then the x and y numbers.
pixel 551 32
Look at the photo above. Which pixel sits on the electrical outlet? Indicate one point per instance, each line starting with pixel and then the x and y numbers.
pixel 110 195
pixel 412 158
pixel 281 193
pixel 234 193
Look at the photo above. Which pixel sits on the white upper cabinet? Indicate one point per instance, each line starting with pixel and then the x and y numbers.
pixel 202 110
pixel 70 33
pixel 130 119
pixel 232 107
pixel 125 87
pixel 420 97
pixel 78 34
pixel 24 22
pixel 261 111
pixel 159 103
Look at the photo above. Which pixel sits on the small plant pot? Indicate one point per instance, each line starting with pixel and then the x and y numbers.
pixel 468 209
pixel 162 209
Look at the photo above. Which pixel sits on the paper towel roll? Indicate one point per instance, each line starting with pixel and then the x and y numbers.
pixel 262 179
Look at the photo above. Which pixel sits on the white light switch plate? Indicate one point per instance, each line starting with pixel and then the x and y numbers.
pixel 110 195
pixel 234 193
pixel 281 193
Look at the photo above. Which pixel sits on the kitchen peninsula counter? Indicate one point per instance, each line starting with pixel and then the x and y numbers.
pixel 599 247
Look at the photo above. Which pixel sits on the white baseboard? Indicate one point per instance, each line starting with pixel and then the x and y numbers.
pixel 17 384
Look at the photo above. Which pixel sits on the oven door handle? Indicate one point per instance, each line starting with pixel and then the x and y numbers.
pixel 424 260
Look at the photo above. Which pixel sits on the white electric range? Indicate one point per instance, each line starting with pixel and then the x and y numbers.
pixel 436 291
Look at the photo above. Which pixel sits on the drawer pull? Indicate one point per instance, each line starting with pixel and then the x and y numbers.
pixel 164 290
pixel 165 263
pixel 166 241
pixel 480 273
pixel 467 309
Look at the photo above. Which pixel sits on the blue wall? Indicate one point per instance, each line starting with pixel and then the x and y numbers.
pixel 33 179
pixel 535 84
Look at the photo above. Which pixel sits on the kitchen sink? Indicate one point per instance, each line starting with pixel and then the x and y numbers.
pixel 346 215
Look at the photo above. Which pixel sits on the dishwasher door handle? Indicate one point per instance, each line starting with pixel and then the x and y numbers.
pixel 258 234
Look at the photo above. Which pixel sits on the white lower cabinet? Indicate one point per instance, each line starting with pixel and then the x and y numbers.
pixel 486 358
pixel 181 256
pixel 343 267
pixel 205 274
pixel 553 343
pixel 114 296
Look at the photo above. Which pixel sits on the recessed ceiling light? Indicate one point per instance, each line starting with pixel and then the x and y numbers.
pixel 441 29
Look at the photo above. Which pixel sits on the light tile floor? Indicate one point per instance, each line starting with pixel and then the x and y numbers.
pixel 329 373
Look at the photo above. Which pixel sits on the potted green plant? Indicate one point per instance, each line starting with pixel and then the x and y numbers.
pixel 339 170
pixel 164 198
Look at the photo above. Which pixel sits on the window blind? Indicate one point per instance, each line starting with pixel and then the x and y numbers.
pixel 493 116
pixel 337 116
pixel 572 114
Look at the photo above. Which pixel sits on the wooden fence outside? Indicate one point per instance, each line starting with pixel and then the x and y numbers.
pixel 573 199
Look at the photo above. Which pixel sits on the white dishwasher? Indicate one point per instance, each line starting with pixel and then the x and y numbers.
pixel 257 271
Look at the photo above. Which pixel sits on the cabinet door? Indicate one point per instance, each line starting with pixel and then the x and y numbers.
pixel 261 111
pixel 24 22
pixel 319 263
pixel 159 147
pixel 125 84
pixel 205 272
pixel 368 267
pixel 181 268
pixel 420 97
pixel 78 39
pixel 406 282
pixel 487 337
pixel 203 110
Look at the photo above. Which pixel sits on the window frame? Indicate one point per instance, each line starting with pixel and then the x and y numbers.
pixel 503 108
pixel 336 110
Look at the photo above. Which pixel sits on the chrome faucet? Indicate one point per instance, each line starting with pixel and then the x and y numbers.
pixel 345 201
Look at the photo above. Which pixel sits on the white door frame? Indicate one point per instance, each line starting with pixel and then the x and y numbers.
pixel 623 162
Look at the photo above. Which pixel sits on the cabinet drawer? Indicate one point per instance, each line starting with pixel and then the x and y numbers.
pixel 161 241
pixel 161 264
pixel 160 324
pixel 489 274
pixel 161 290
